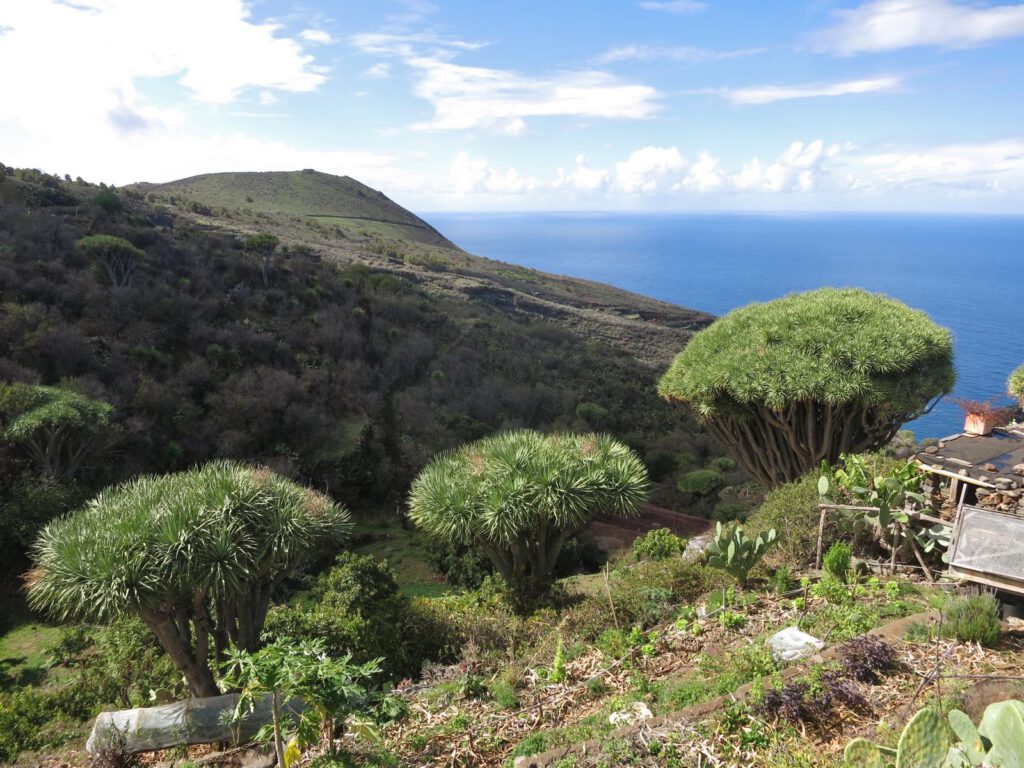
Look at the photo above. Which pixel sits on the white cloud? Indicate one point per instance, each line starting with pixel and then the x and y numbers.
pixel 583 178
pixel 378 71
pixel 267 98
pixel 885 25
pixel 110 45
pixel 688 7
pixel 478 97
pixel 996 166
pixel 798 169
pixel 501 100
pixel 316 36
pixel 649 170
pixel 474 175
pixel 766 94
pixel 705 175
pixel 686 54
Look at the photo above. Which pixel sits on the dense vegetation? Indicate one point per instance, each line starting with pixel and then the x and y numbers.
pixel 795 381
pixel 209 377
pixel 330 373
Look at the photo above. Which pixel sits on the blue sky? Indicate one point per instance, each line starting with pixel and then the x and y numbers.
pixel 644 105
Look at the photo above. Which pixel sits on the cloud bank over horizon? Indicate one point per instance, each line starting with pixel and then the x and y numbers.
pixel 883 104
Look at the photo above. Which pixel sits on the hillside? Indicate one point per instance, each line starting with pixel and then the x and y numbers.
pixel 351 222
pixel 359 358
pixel 332 200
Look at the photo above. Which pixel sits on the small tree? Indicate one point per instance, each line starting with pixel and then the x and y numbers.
pixel 519 496
pixel 56 427
pixel 195 555
pixel 116 255
pixel 262 246
pixel 787 384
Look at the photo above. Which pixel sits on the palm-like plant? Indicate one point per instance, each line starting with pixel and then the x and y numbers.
pixel 196 555
pixel 519 496
pixel 56 427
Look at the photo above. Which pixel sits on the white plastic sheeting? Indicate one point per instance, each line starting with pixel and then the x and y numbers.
pixel 791 644
pixel 194 721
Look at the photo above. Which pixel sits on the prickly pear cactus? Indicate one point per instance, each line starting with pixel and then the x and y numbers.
pixel 1003 725
pixel 923 743
pixel 970 745
pixel 861 753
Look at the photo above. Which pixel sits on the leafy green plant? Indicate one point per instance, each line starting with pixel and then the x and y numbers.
pixel 837 561
pixel 331 689
pixel 700 482
pixel 1015 384
pixel 998 741
pixel 972 619
pixel 735 553
pixel 658 544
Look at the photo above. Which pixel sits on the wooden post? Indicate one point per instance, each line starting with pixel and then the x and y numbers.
pixel 821 538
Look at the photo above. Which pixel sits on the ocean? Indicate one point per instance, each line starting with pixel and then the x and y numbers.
pixel 966 272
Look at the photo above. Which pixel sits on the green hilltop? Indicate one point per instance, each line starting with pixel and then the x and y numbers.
pixel 333 200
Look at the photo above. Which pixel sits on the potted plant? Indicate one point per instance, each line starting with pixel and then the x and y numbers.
pixel 980 416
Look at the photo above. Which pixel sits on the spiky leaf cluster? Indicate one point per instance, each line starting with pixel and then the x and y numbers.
pixel 835 346
pixel 27 409
pixel 517 483
pixel 153 543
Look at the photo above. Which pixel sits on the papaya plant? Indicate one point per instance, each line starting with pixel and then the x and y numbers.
pixel 736 553
pixel 998 742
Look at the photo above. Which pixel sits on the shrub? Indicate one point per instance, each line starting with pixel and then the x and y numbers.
pixel 972 619
pixel 462 565
pixel 722 464
pixel 358 609
pixel 792 508
pixel 596 415
pixel 837 561
pixel 1015 384
pixel 867 658
pixel 700 482
pixel 658 544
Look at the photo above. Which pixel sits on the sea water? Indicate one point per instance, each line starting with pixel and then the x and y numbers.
pixel 966 272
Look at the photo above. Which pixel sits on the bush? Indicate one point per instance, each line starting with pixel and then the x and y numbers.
pixel 722 464
pixel 972 619
pixel 643 595
pixel 462 565
pixel 658 544
pixel 594 414
pixel 357 608
pixel 700 482
pixel 793 509
pixel 837 561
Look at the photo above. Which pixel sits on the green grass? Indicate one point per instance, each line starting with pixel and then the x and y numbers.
pixel 405 551
pixel 24 648
pixel 304 193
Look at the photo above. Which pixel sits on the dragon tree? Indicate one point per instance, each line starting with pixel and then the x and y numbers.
pixel 788 383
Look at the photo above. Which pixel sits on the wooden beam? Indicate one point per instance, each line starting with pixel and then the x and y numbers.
pixel 929 469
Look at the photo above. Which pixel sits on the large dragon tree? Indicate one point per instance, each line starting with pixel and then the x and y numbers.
pixel 519 496
pixel 196 555
pixel 807 377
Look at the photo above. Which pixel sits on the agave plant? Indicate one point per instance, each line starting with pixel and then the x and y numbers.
pixel 519 496
pixel 195 555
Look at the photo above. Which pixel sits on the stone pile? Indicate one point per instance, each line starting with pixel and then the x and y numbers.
pixel 1007 494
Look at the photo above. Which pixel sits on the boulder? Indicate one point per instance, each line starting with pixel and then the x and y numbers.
pixel 986 692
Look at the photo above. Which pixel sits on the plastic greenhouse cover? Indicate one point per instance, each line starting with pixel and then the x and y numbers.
pixel 194 721
pixel 990 542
